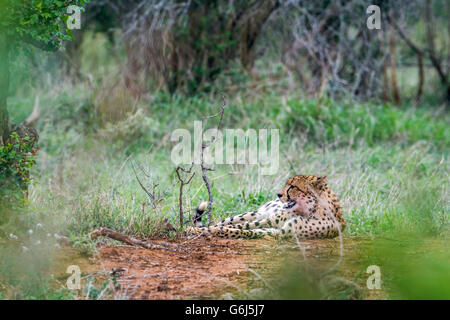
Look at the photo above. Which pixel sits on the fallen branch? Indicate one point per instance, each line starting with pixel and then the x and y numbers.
pixel 105 232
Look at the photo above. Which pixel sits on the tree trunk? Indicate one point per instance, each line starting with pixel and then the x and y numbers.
pixel 386 95
pixel 4 86
pixel 430 35
pixel 395 92
pixel 421 78
pixel 252 28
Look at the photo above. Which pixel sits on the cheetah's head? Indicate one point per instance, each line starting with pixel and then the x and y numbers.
pixel 297 195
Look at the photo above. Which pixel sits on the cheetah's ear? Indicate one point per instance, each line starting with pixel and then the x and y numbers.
pixel 321 181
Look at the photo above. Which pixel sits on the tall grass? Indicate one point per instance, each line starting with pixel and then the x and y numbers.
pixel 382 189
pixel 378 158
pixel 389 165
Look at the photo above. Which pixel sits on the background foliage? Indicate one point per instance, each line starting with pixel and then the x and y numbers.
pixel 345 99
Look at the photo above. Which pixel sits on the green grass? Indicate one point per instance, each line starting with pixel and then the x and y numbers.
pixel 24 269
pixel 389 165
pixel 378 158
pixel 378 188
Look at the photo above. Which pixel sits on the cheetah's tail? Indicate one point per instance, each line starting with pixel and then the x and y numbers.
pixel 199 213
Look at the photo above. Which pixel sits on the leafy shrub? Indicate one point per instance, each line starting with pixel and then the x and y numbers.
pixel 16 159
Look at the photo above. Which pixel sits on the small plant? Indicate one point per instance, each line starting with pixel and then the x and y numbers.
pixel 16 159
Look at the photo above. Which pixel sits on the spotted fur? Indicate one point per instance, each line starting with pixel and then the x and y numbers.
pixel 306 206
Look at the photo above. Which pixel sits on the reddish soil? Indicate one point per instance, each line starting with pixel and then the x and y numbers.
pixel 211 266
pixel 207 268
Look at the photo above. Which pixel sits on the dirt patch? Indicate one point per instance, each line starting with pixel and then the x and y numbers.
pixel 211 267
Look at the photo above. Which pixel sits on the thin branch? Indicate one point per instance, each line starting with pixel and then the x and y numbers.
pixel 202 164
pixel 150 196
pixel 154 197
pixel 183 182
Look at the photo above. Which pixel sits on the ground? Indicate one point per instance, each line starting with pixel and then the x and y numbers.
pixel 213 268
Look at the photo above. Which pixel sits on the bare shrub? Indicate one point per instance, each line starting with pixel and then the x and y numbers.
pixel 187 44
pixel 327 47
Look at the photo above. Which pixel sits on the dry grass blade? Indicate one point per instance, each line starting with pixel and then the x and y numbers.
pixel 261 278
pixel 302 250
pixel 231 284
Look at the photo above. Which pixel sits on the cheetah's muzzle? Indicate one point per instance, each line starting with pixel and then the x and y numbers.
pixel 289 205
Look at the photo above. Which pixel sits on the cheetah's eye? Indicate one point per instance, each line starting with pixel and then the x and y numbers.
pixel 291 187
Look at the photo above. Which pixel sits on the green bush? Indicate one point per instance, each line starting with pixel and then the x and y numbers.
pixel 16 159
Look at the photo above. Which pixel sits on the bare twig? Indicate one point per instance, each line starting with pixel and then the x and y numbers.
pixel 150 195
pixel 154 196
pixel 204 168
pixel 183 182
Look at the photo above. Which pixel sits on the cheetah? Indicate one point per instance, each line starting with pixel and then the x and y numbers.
pixel 306 208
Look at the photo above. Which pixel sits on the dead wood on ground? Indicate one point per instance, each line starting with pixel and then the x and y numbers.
pixel 105 232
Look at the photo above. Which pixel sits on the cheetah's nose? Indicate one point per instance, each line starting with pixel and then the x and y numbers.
pixel 279 195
